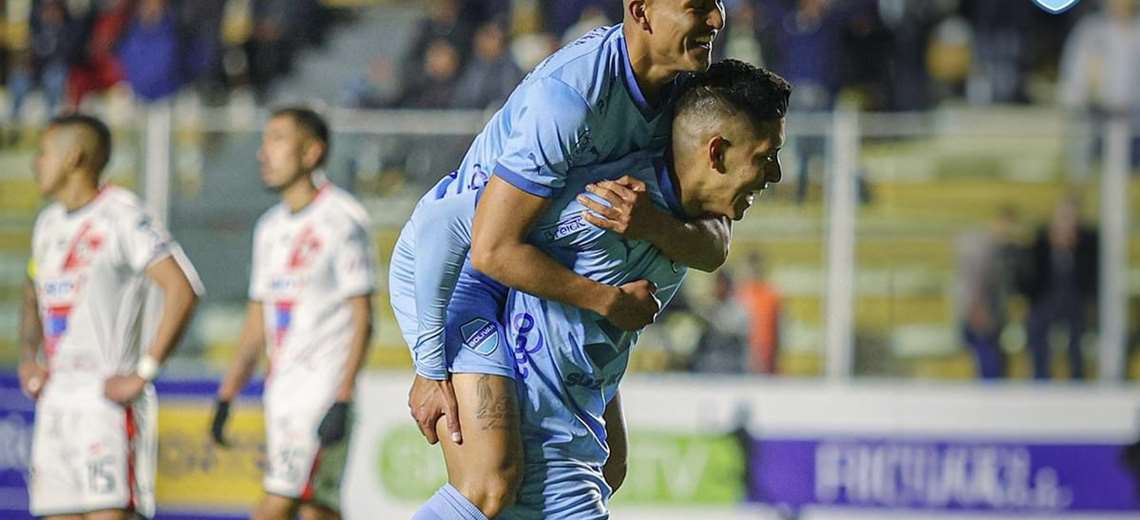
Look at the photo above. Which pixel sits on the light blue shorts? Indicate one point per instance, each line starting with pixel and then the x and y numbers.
pixel 475 341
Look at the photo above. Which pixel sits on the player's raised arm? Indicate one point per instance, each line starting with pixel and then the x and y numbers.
pixel 531 171
pixel 33 375
pixel 500 250
pixel 700 243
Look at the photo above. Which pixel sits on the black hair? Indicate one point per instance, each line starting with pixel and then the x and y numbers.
pixel 311 122
pixel 733 86
pixel 97 128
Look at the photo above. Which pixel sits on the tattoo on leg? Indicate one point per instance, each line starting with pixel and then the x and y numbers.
pixel 494 411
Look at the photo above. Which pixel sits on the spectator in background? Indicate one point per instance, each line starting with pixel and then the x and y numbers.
pixel 200 30
pixel 1099 66
pixel 592 17
pixel 442 23
pixel 1061 283
pixel 491 74
pixel 987 264
pixel 1001 56
pixel 721 349
pixel 436 88
pixel 45 62
pixel 761 300
pixel 150 52
pixel 97 67
pixel 743 38
pixel 561 16
pixel 280 28
pixel 807 55
pixel 1100 71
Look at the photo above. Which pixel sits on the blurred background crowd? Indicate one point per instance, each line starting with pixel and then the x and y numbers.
pixel 979 156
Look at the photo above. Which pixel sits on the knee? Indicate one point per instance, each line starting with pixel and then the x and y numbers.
pixel 494 491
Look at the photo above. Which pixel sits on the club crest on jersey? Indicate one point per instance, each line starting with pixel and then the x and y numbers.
pixel 1056 6
pixel 479 335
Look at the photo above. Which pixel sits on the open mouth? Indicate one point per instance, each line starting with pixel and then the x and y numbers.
pixel 704 42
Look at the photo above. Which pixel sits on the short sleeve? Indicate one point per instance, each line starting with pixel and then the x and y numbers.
pixel 550 127
pixel 355 264
pixel 144 241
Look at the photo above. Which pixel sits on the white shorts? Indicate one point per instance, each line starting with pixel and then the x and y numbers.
pixel 296 466
pixel 91 454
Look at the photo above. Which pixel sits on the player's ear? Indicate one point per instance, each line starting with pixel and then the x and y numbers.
pixel 635 14
pixel 717 147
pixel 314 150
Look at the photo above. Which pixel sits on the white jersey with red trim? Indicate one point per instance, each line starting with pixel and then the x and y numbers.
pixel 306 265
pixel 88 268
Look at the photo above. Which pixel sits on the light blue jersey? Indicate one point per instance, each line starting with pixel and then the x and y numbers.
pixel 581 106
pixel 569 360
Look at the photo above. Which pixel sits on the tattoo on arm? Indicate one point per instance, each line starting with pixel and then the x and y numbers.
pixel 495 412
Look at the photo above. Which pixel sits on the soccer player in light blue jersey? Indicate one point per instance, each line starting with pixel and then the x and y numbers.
pixel 726 137
pixel 594 101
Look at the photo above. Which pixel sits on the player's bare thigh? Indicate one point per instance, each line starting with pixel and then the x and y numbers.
pixel 275 507
pixel 317 512
pixel 492 443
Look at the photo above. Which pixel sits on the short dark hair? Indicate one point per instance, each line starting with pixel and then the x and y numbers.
pixel 97 128
pixel 311 122
pixel 733 86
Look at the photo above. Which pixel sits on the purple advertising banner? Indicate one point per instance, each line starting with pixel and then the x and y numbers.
pixel 941 475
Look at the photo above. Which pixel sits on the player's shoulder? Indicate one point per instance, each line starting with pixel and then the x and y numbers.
pixel 343 208
pixel 269 217
pixel 48 217
pixel 587 66
pixel 122 207
pixel 120 203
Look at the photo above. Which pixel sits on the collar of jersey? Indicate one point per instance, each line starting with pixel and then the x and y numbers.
pixel 668 188
pixel 322 186
pixel 86 208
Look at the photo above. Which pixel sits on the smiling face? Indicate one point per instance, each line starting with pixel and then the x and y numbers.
pixel 682 32
pixel 749 165
pixel 734 161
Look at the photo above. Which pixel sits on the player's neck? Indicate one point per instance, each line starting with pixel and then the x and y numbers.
pixel 690 187
pixel 77 192
pixel 652 79
pixel 300 194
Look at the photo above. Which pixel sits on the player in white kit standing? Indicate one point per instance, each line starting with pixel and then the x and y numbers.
pixel 93 251
pixel 310 306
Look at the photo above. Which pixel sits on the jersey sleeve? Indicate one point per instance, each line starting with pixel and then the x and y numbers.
pixel 546 134
pixel 144 241
pixel 355 263
pixel 442 240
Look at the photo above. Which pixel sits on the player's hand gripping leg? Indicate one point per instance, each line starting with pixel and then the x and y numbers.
pixel 428 400
pixel 487 467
